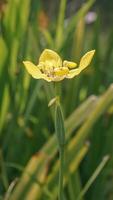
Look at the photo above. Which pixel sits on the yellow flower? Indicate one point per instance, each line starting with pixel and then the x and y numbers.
pixel 52 68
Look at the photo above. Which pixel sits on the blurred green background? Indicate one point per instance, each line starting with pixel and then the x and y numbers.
pixel 28 147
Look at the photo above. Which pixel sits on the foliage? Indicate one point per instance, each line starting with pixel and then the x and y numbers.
pixel 28 153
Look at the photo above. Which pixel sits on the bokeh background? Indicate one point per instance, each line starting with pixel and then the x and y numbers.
pixel 28 147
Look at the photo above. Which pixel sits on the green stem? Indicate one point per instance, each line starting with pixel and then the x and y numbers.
pixel 60 133
pixel 61 172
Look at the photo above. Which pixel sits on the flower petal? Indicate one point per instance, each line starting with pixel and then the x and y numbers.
pixel 34 71
pixel 50 56
pixel 84 62
pixel 73 72
pixel 86 59
pixel 69 64
pixel 61 71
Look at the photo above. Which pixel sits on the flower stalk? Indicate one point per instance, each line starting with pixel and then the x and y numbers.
pixel 60 133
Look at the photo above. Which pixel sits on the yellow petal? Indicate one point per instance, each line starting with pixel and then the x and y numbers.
pixel 34 71
pixel 73 72
pixel 84 62
pixel 69 64
pixel 50 56
pixel 61 71
pixel 86 59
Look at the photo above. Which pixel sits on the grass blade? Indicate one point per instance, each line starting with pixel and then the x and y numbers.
pixel 93 177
